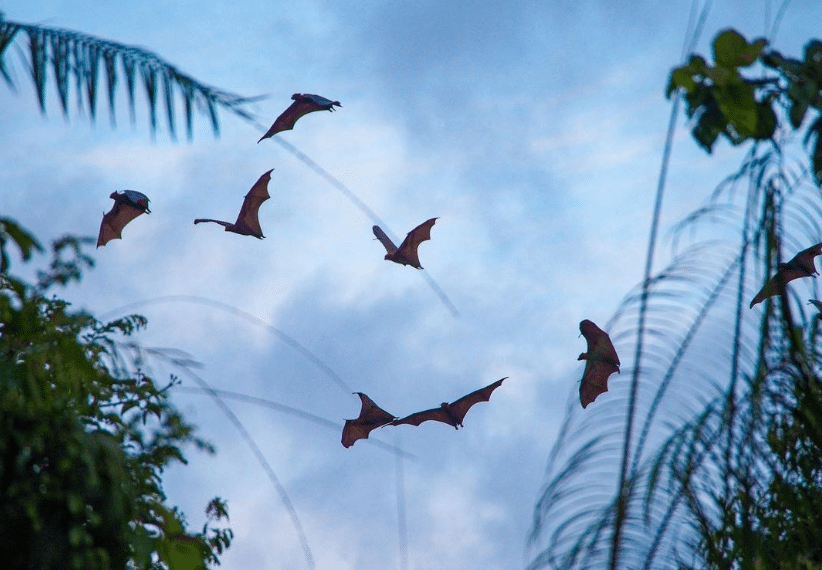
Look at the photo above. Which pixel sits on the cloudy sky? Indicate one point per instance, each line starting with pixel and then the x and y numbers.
pixel 532 129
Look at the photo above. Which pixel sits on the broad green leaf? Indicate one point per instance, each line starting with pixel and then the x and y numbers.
pixel 732 50
pixel 680 77
pixel 737 103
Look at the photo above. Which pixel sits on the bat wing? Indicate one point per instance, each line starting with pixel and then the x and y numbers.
pixel 602 361
pixel 460 407
pixel 248 222
pixel 434 414
pixel 408 247
pixel 127 205
pixel 776 284
pixel 804 261
pixel 386 241
pixel 302 105
pixel 595 380
pixel 801 265
pixel 772 287
pixel 371 417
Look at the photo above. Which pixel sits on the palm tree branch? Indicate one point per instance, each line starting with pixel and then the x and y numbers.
pixel 66 51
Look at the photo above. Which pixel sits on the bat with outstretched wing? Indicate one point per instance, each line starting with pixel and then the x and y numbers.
pixel 248 222
pixel 601 361
pixel 303 104
pixel 128 204
pixel 802 265
pixel 371 417
pixel 406 254
pixel 453 413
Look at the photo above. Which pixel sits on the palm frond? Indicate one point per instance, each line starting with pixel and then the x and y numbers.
pixel 706 388
pixel 66 57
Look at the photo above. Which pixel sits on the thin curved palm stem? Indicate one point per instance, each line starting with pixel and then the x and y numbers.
pixel 624 490
pixel 289 506
pixel 287 339
pixel 363 207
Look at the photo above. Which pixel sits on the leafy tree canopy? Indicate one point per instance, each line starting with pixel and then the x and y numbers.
pixel 84 434
pixel 723 101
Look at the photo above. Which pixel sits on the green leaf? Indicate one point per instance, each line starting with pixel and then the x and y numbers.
pixel 765 121
pixel 813 57
pixel 680 77
pixel 24 241
pixel 797 112
pixel 709 126
pixel 736 101
pixel 732 50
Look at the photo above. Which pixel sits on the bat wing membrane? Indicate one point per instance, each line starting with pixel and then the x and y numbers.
pixel 302 105
pixel 601 361
pixel 248 220
pixel 384 239
pixel 460 407
pixel 408 247
pixel 415 419
pixel 801 265
pixel 371 417
pixel 121 214
pixel 595 380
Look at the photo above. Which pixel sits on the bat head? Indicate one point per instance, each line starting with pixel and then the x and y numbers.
pixel 133 198
pixel 587 327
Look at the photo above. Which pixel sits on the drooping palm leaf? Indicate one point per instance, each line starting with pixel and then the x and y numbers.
pixel 68 57
pixel 709 367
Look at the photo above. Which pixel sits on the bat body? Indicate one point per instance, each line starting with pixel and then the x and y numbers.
pixel 128 204
pixel 371 417
pixel 802 265
pixel 453 413
pixel 406 254
pixel 601 361
pixel 303 104
pixel 248 222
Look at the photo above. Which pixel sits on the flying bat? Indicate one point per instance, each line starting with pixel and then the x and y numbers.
pixel 601 361
pixel 248 222
pixel 406 254
pixel 128 204
pixel 453 413
pixel 303 104
pixel 371 417
pixel 800 266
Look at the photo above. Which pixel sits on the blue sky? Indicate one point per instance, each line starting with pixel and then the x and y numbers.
pixel 533 130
